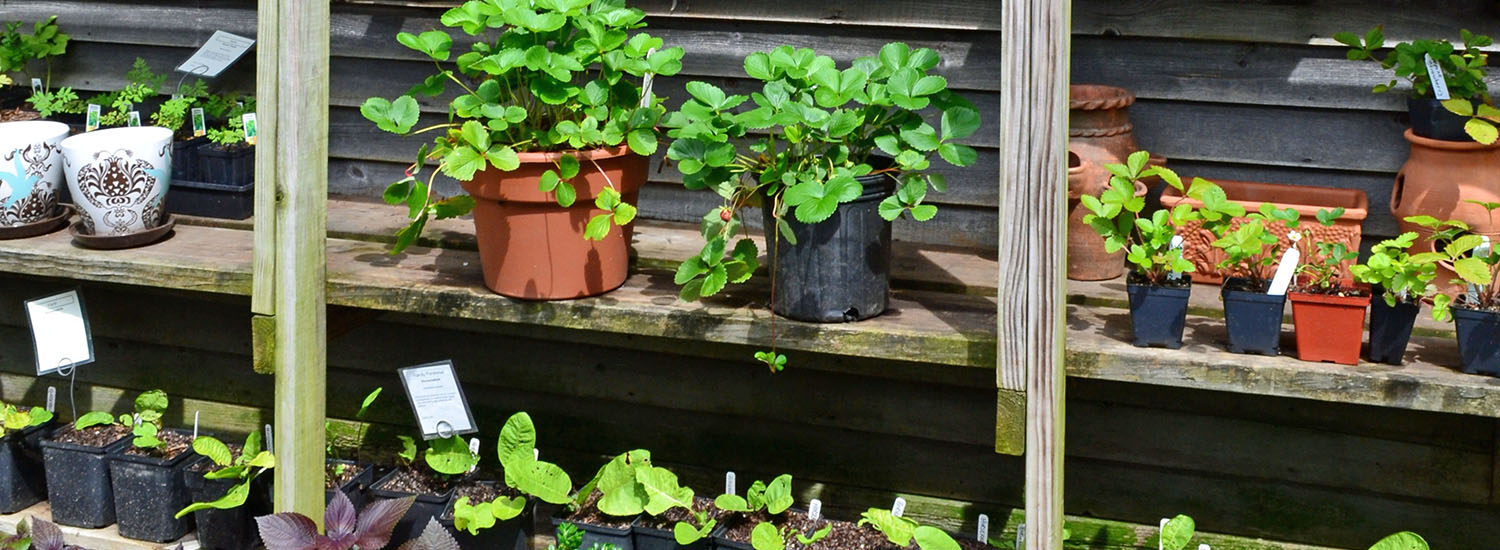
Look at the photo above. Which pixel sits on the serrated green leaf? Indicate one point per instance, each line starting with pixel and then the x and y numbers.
pixel 598 227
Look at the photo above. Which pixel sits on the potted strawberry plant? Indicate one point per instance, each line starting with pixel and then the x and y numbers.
pixel 1252 315
pixel 844 153
pixel 549 136
pixel 1399 281
pixel 1158 284
pixel 1473 303
pixel 221 482
pixel 1462 74
pixel 76 456
pixel 22 479
pixel 148 475
pixel 1328 311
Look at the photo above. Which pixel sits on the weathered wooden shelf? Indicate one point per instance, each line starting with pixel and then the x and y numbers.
pixel 943 312
pixel 107 538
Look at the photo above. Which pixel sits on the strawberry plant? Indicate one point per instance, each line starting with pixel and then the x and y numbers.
pixel 1462 68
pixel 1251 247
pixel 1402 276
pixel 1322 269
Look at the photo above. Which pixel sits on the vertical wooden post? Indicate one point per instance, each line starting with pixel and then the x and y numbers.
pixel 1033 183
pixel 291 236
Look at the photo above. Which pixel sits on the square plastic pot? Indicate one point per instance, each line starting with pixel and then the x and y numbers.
pixel 1478 340
pixel 185 158
pixel 23 479
pixel 226 166
pixel 512 534
pixel 600 534
pixel 355 487
pixel 230 529
pixel 212 200
pixel 651 538
pixel 1329 328
pixel 78 482
pixel 1253 320
pixel 1390 329
pixel 426 507
pixel 148 493
pixel 1430 120
pixel 1158 314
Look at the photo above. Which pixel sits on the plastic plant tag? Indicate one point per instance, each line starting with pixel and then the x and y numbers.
pixel 814 509
pixel 984 529
pixel 898 507
pixel 536 454
pixel 91 121
pixel 268 431
pixel 200 123
pixel 729 483
pixel 1163 525
pixel 36 86
pixel 646 82
pixel 221 51
pixel 1287 268
pixel 1020 536
pixel 474 450
pixel 1204 546
pixel 1176 245
pixel 1481 251
pixel 250 130
pixel 51 398
pixel 438 400
pixel 1435 74
pixel 60 332
pixel 135 119
pixel 195 424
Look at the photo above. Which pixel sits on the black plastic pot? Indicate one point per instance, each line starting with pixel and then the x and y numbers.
pixel 512 534
pixel 78 482
pixel 355 487
pixel 231 529
pixel 1430 120
pixel 226 166
pixel 1390 328
pixel 1253 320
pixel 148 493
pixel 426 507
pixel 651 538
pixel 212 200
pixel 23 479
pixel 185 158
pixel 1478 340
pixel 1158 314
pixel 600 534
pixel 840 268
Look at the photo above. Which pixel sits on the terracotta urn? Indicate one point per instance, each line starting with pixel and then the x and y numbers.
pixel 532 248
pixel 1099 128
pixel 1087 258
pixel 1437 179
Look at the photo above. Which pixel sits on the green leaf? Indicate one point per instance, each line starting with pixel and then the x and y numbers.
pixel 462 163
pixel 396 117
pixel 624 213
pixel 920 135
pixel 471 518
pixel 566 195
pixel 452 207
pixel 263 459
pixel 929 85
pixel 891 208
pixel 923 212
pixel 433 43
pixel 94 418
pixel 397 193
pixel 932 538
pixel 732 503
pixel 960 122
pixel 957 155
pixel 450 456
pixel 685 533
pixel 476 135
pixel 505 508
pixel 1405 540
pixel 642 141
pixel 1482 131
pixel 1472 270
pixel 517 439
pixel 758 66
pixel 214 449
pixel 778 495
pixel 894 55
pixel 598 227
pixel 663 492
pixel 896 529
pixel 234 498
pixel 717 278
pixel 154 400
pixel 567 166
pixel 408 451
pixel 1176 534
pixel 548 181
pixel 545 481
pixel 766 537
pixel 1460 107
pixel 706 93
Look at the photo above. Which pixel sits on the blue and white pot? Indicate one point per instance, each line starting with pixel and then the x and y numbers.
pixel 119 178
pixel 31 173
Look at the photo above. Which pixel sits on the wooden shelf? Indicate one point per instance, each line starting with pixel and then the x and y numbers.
pixel 944 315
pixel 107 538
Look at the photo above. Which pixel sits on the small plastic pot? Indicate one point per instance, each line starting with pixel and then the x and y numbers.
pixel 231 529
pixel 78 482
pixel 651 538
pixel 185 158
pixel 1430 120
pixel 426 507
pixel 512 534
pixel 355 487
pixel 1158 314
pixel 600 534
pixel 1478 340
pixel 226 166
pixel 148 493
pixel 1390 329
pixel 23 479
pixel 1329 328
pixel 1253 320
pixel 840 269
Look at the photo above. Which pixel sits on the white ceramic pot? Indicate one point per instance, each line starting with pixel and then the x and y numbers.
pixel 31 174
pixel 119 178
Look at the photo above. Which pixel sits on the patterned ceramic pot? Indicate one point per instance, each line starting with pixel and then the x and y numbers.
pixel 119 178
pixel 31 174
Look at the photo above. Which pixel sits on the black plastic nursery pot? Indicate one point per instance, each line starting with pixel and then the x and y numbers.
pixel 232 166
pixel 231 529
pixel 79 489
pixel 840 268
pixel 185 158
pixel 600 534
pixel 426 507
pixel 23 479
pixel 1478 340
pixel 1430 120
pixel 148 493
pixel 355 487
pixel 1253 319
pixel 212 200
pixel 512 534
pixel 1158 314
pixel 1390 328
pixel 651 538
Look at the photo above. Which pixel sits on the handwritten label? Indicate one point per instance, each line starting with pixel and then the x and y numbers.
pixel 814 509
pixel 250 130
pixel 984 528
pixel 898 507
pixel 729 483
pixel 1435 74
pixel 51 398
pixel 221 51
pixel 60 332
pixel 200 123
pixel 437 400
pixel 135 118
pixel 36 86
pixel 91 122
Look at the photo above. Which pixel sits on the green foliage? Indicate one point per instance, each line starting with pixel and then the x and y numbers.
pixel 569 537
pixel 621 492
pixel 18 49
pixel 146 424
pixel 1482 119
pixel 542 77
pixel 477 517
pixel 1117 215
pixel 1177 533
pixel 1463 69
pixel 1405 540
pixel 94 418
pixel 822 126
pixel 774 497
pixel 1453 244
pixel 13 419
pixel 64 101
pixel 408 453
pixel 523 471
pixel 450 456
pixel 1403 276
pixel 250 464
pixel 1322 267
pixel 1252 247
pixel 231 134
pixel 901 531
pixel 330 436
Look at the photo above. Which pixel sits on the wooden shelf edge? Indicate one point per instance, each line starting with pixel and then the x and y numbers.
pixel 107 538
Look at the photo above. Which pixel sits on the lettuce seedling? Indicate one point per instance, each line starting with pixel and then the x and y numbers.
pixel 15 419
pixel 252 462
pixel 665 494
pixel 900 531
pixel 343 530
pixel 523 471
pixel 621 493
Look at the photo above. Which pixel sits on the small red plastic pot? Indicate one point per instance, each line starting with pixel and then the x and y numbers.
pixel 1329 327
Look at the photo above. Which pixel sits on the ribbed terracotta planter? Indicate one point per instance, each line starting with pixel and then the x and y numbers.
pixel 1087 258
pixel 1437 179
pixel 533 249
pixel 1307 200
pixel 1329 328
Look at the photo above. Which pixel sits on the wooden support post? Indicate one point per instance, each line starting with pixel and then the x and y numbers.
pixel 1033 183
pixel 291 236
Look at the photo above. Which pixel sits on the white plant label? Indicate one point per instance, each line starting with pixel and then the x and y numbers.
pixel 1435 74
pixel 898 507
pixel 1287 268
pixel 438 400
pixel 268 446
pixel 1020 535
pixel 814 509
pixel 474 450
pixel 60 332
pixel 646 82
pixel 51 398
pixel 728 483
pixel 135 118
pixel 1163 525
pixel 91 122
pixel 1176 244
pixel 36 86
pixel 195 424
pixel 984 528
pixel 536 454
pixel 1204 547
pixel 221 51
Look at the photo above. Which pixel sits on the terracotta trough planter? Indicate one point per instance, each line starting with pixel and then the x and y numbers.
pixel 1329 328
pixel 1198 242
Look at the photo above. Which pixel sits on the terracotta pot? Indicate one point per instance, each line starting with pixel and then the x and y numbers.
pixel 531 248
pixel 1437 179
pixel 1329 328
pixel 1099 128
pixel 1087 258
pixel 1307 200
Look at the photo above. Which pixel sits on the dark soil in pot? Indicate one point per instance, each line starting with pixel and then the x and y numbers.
pixel 512 534
pixel 1252 317
pixel 23 479
pixel 1158 314
pixel 844 535
pixel 597 526
pixel 352 479
pixel 231 529
pixel 78 481
pixel 433 494
pixel 735 534
pixel 840 268
pixel 655 532
pixel 150 488
pixel 1390 328
pixel 1478 334
pixel 1430 120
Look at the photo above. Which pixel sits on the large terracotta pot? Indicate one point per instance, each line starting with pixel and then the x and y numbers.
pixel 1307 200
pixel 31 175
pixel 532 248
pixel 1437 179
pixel 1099 128
pixel 119 178
pixel 1087 258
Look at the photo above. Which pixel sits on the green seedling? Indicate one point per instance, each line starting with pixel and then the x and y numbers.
pixel 1322 269
pixel 1251 247
pixel 901 531
pixel 250 464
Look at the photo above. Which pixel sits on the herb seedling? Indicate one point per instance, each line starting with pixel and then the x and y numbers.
pixel 1251 248
pixel 901 531
pixel 250 464
pixel 1402 276
pixel 145 424
pixel 570 537
pixel 1463 69
pixel 17 49
pixel 343 529
pixel 14 419
pixel 331 435
pixel 1322 269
